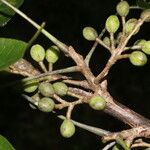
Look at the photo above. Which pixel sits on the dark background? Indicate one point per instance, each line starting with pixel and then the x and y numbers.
pixel 34 130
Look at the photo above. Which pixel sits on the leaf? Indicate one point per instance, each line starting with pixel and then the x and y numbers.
pixel 145 4
pixel 5 144
pixel 6 13
pixel 11 50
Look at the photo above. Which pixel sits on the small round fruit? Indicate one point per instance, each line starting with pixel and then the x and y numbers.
pixel 97 103
pixel 37 52
pixel 46 104
pixel 146 13
pixel 52 54
pixel 146 47
pixel 90 33
pixel 140 42
pixel 30 86
pixel 130 25
pixel 138 58
pixel 106 41
pixel 46 89
pixel 112 24
pixel 123 8
pixel 60 88
pixel 67 128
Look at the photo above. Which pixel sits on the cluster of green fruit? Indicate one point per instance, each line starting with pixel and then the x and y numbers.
pixel 112 24
pixel 46 90
pixel 38 53
pixel 47 104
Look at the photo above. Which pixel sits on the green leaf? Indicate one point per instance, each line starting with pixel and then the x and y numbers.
pixel 6 13
pixel 4 144
pixel 145 4
pixel 11 50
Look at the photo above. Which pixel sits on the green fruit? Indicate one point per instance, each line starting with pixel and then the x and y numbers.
pixel 123 8
pixel 130 25
pixel 46 104
pixel 138 58
pixel 97 103
pixel 112 24
pixel 106 41
pixel 60 88
pixel 140 42
pixel 146 13
pixel 90 33
pixel 52 54
pixel 46 89
pixel 67 128
pixel 146 47
pixel 37 52
pixel 30 86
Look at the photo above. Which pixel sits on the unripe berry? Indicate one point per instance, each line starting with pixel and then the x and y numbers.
pixel 60 88
pixel 138 58
pixel 90 33
pixel 46 104
pixel 146 47
pixel 146 13
pixel 130 25
pixel 46 89
pixel 30 86
pixel 52 54
pixel 106 41
pixel 123 8
pixel 112 24
pixel 67 128
pixel 140 42
pixel 97 103
pixel 37 52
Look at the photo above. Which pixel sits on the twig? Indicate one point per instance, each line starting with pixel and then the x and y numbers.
pixel 108 146
pixel 96 131
pixel 83 83
pixel 89 55
pixel 35 36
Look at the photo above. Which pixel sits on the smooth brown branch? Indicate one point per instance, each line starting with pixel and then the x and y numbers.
pixel 80 92
pixel 105 71
pixel 82 83
pixel 140 144
pixel 125 114
pixel 85 70
pixel 138 132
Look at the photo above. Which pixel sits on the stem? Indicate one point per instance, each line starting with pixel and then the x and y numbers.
pixel 108 146
pixel 89 55
pixel 61 45
pixel 50 67
pixel 43 66
pixel 35 35
pixel 97 131
pixel 102 43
